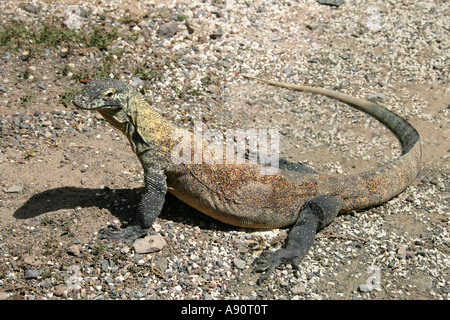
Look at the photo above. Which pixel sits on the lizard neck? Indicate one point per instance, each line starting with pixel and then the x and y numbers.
pixel 147 130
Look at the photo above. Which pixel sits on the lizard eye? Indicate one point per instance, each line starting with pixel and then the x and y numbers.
pixel 108 94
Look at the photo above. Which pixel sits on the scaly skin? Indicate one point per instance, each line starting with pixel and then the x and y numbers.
pixel 241 194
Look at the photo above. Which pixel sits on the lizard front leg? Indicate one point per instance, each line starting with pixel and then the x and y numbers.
pixel 314 215
pixel 149 208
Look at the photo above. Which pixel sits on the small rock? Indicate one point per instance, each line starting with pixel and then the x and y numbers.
pixel 13 189
pixel 422 252
pixel 364 288
pixel 208 297
pixel 32 274
pixel 46 283
pixel 25 55
pixel 239 263
pixel 217 34
pixel 423 284
pixel 284 283
pixel 64 52
pixel 31 8
pixel 377 98
pixel 224 64
pixel 335 3
pixel 288 70
pixel 29 259
pixel 401 248
pixel 60 291
pixel 73 20
pixel 3 295
pixel 298 289
pixel 109 280
pixel 149 244
pixel 136 81
pixel 218 14
pixel 401 251
pixel 105 265
pixel 284 132
pixel 168 30
pixel 444 289
pixel 312 26
pixel 161 264
pixel 125 249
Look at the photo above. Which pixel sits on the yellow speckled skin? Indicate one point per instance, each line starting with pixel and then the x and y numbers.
pixel 239 194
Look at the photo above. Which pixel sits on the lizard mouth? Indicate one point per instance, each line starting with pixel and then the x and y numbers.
pixel 83 103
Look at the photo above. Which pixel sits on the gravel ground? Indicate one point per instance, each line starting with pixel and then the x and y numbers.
pixel 65 174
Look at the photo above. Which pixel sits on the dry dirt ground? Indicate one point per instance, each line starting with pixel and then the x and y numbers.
pixel 66 173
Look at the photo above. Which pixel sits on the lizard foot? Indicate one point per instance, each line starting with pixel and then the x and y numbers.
pixel 130 233
pixel 269 261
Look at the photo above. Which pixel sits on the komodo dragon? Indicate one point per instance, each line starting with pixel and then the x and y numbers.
pixel 238 194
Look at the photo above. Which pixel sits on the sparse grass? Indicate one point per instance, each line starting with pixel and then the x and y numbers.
pixel 181 17
pixel 99 249
pixel 211 78
pixel 105 67
pixel 27 99
pixel 29 153
pixel 17 34
pixel 146 71
pixel 46 221
pixel 100 38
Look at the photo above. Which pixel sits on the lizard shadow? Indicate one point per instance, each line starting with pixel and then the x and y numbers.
pixel 121 203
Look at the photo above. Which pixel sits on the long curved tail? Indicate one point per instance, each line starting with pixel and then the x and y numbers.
pixel 385 183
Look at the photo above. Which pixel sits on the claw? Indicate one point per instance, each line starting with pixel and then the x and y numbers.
pixel 130 233
pixel 269 264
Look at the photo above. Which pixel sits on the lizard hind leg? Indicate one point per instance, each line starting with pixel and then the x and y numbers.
pixel 314 215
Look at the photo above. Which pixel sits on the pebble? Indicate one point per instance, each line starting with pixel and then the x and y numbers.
pixel 364 288
pixel 32 274
pixel 298 289
pixel 74 250
pixel 239 263
pixel 46 283
pixel 335 3
pixel 13 189
pixel 60 291
pixel 216 34
pixel 378 98
pixel 422 252
pixel 105 265
pixel 168 30
pixel 149 244
pixel 401 250
pixel 288 70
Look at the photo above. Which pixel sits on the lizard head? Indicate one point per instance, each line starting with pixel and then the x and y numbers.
pixel 110 97
pixel 107 94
